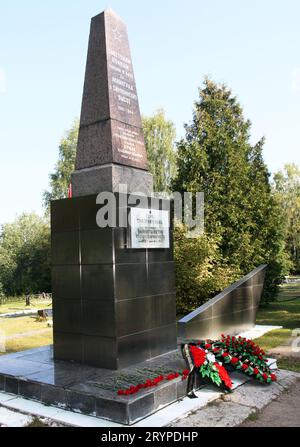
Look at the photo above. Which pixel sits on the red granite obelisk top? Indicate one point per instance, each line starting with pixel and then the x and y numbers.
pixel 110 126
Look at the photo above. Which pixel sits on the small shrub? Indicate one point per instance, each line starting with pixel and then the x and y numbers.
pixel 201 271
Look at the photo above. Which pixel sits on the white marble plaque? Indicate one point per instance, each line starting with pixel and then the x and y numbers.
pixel 149 228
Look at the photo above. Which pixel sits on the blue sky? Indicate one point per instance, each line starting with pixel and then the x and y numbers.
pixel 252 46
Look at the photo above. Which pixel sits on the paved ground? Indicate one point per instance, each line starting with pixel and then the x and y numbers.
pixel 284 412
pixel 248 401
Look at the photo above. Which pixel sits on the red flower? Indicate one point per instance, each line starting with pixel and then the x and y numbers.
pixel 170 377
pixel 198 356
pixel 234 360
pixel 121 392
pixel 244 367
pixel 225 354
pixel 273 377
pixel 185 372
pixel 133 389
pixel 223 375
pixel 265 376
pixel 208 346
pixel 256 371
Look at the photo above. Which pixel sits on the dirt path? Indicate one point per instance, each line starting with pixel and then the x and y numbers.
pixel 283 412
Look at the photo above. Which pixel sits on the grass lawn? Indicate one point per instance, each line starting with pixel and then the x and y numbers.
pixel 28 331
pixel 285 312
pixel 15 305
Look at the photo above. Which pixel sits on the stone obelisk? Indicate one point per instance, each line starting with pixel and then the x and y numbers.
pixel 111 148
pixel 113 288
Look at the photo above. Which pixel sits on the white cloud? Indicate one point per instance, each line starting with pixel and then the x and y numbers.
pixel 296 80
pixel 2 81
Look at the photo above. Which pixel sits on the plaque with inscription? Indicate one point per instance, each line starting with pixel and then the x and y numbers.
pixel 149 228
pixel 110 125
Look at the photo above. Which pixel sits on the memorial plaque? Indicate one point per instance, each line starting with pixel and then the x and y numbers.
pixel 149 228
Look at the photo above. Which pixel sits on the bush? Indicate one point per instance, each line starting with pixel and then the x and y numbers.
pixel 201 271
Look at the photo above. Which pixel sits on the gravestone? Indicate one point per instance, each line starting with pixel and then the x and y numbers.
pixel 114 287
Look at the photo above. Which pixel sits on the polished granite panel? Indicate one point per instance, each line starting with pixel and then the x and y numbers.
pixel 108 299
pixel 68 315
pixel 100 351
pixel 163 310
pixel 133 348
pixel 130 281
pixel 65 248
pixel 68 346
pixel 161 283
pixel 163 340
pixel 64 216
pixel 88 209
pixel 2 383
pixel 124 255
pixel 97 282
pixel 13 366
pixel 140 408
pixel 66 283
pixel 53 395
pixel 133 315
pixel 90 390
pixel 97 246
pixel 11 385
pixel 98 320
pixel 232 311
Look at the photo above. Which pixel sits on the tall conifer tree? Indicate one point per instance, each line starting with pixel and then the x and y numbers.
pixel 216 157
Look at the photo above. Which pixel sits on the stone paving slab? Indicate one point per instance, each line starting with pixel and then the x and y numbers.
pixel 233 409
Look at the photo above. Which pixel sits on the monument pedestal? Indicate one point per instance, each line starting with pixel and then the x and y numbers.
pixel 34 374
pixel 113 306
pixel 109 177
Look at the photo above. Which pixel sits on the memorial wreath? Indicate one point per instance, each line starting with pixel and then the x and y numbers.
pixel 210 361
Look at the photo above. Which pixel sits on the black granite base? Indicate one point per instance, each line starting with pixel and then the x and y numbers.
pixel 34 374
pixel 113 306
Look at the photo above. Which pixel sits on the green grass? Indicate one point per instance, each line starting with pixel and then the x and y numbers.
pixel 285 312
pixel 34 341
pixel 29 326
pixel 274 338
pixel 289 363
pixel 21 325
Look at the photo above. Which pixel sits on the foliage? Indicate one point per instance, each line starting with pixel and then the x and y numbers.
pixel 201 271
pixel 287 193
pixel 216 157
pixel 25 255
pixel 61 177
pixel 159 138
